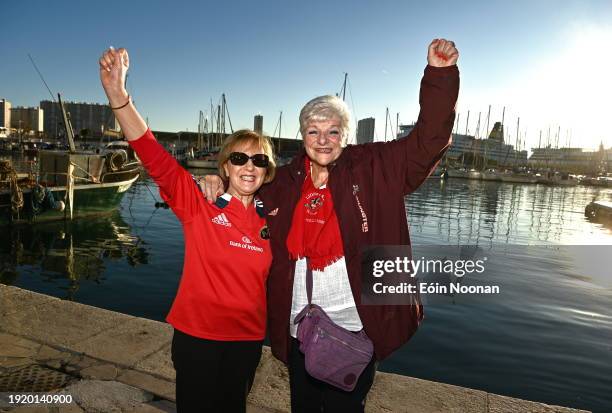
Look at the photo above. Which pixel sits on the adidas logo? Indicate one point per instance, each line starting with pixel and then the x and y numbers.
pixel 221 219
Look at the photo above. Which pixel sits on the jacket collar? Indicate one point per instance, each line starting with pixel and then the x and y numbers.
pixel 225 199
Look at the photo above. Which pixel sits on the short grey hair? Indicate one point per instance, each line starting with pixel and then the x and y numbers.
pixel 324 108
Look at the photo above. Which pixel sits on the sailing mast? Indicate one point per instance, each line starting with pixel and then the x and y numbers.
pixel 343 88
pixel 386 119
pixel 218 140
pixel 516 143
pixel 280 125
pixel 226 112
pixel 200 131
pixel 457 125
pixel 503 129
pixel 67 125
pixel 397 125
pixel 485 162
pixel 477 139
pixel 211 135
pixel 223 114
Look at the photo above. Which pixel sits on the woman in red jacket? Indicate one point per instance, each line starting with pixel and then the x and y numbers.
pixel 219 313
pixel 330 202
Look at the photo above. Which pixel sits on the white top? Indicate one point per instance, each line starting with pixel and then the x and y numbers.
pixel 330 290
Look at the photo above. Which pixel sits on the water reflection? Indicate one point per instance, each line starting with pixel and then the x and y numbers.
pixel 77 251
pixel 485 213
pixel 554 319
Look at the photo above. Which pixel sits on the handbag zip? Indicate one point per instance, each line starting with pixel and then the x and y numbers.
pixel 342 341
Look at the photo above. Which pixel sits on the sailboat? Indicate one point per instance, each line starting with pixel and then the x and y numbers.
pixel 489 174
pixel 519 175
pixel 68 184
pixel 208 159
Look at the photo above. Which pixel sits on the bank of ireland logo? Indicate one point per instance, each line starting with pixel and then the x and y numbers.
pixel 314 202
pixel 246 240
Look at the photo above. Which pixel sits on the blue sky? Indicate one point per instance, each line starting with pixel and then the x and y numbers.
pixel 545 61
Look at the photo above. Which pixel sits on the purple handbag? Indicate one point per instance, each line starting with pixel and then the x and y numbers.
pixel 333 354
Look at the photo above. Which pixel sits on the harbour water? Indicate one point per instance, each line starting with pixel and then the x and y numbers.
pixel 549 339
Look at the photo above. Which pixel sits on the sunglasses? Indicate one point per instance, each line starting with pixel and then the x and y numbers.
pixel 260 160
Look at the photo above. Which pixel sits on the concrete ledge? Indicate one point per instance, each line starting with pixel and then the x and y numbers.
pixel 53 321
pixel 127 359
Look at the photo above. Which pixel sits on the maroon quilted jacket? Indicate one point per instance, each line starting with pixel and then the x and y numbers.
pixel 368 183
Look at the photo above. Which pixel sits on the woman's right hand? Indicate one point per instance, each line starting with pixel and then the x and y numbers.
pixel 212 186
pixel 114 65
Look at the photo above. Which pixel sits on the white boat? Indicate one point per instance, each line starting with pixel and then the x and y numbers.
pixel 557 178
pixel 571 181
pixel 474 174
pixel 605 181
pixel 206 162
pixel 518 178
pixel 68 183
pixel 490 175
pixel 202 164
pixel 457 173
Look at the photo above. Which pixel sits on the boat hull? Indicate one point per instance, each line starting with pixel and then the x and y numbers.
pixel 517 179
pixel 202 163
pixel 89 199
pixel 490 176
pixel 456 173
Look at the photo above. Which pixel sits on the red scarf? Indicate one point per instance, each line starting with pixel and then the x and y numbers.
pixel 315 232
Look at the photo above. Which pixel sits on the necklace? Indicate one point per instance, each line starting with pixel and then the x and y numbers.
pixel 313 180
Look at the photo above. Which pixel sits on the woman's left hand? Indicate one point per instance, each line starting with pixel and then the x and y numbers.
pixel 442 53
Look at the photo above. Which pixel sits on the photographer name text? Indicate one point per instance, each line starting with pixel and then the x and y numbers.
pixel 434 288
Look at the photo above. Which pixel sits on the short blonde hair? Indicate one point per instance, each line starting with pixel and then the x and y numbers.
pixel 246 137
pixel 324 108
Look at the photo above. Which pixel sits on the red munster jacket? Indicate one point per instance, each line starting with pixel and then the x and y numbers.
pixel 368 183
pixel 222 293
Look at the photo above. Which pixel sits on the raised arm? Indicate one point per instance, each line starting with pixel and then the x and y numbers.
pixel 176 185
pixel 114 65
pixel 409 161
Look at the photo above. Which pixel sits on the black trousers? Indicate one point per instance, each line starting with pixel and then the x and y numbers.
pixel 309 395
pixel 213 376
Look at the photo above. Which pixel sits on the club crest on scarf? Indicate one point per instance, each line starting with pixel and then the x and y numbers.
pixel 314 202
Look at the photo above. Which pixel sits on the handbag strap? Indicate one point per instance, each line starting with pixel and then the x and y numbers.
pixel 308 282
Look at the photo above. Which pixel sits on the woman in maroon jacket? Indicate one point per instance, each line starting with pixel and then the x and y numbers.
pixel 328 204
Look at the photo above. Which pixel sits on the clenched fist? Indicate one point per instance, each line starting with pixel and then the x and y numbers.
pixel 442 53
pixel 114 65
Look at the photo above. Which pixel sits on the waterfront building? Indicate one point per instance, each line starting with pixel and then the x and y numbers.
pixel 5 114
pixel 365 130
pixel 468 150
pixel 258 124
pixel 94 117
pixel 27 120
pixel 575 160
